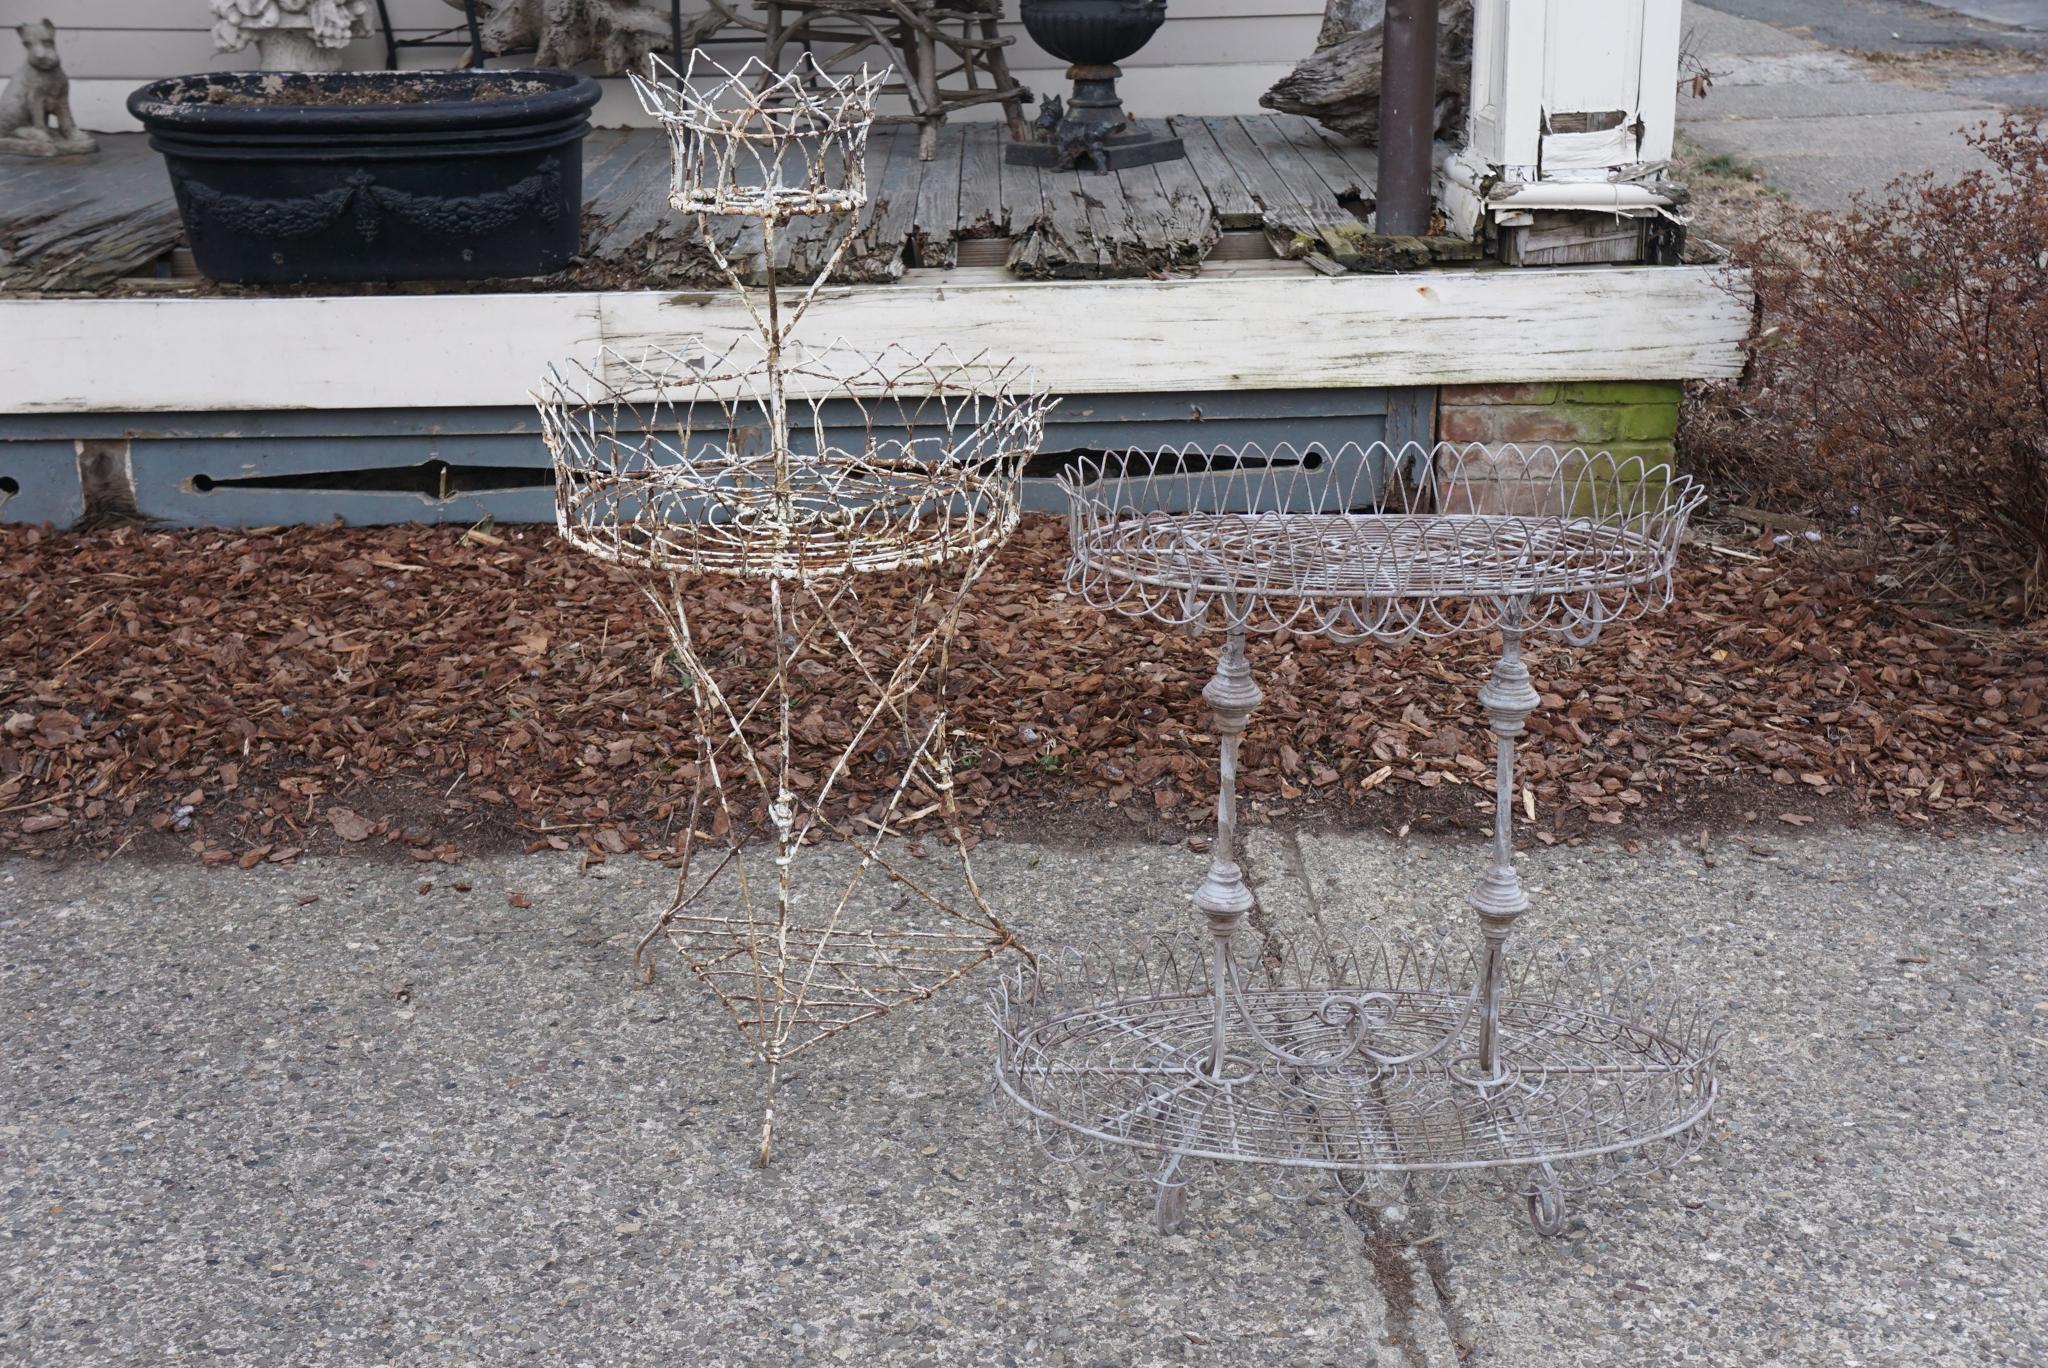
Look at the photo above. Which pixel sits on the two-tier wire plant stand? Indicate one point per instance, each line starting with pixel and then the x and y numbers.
pixel 806 523
pixel 1386 1066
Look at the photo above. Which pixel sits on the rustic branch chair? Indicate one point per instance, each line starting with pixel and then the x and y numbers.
pixel 931 42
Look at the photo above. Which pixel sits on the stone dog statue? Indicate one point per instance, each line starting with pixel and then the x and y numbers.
pixel 38 96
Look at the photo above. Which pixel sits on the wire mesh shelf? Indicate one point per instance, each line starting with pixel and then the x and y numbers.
pixel 761 143
pixel 1359 1059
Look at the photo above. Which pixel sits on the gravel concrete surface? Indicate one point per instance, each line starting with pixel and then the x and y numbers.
pixel 312 1115
pixel 1902 25
pixel 1820 122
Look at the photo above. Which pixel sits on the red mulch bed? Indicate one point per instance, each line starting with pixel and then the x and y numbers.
pixel 248 696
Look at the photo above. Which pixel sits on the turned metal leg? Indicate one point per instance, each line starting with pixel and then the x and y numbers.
pixel 1170 1200
pixel 1547 1210
pixel 1508 699
pixel 1223 897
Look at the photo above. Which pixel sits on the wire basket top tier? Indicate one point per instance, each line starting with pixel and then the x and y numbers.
pixel 761 143
pixel 668 461
pixel 1366 543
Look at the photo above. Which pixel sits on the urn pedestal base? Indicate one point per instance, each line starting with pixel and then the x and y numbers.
pixel 1092 132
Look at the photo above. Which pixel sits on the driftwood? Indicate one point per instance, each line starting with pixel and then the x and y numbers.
pixel 1339 86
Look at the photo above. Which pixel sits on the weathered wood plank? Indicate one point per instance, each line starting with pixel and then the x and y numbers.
pixel 982 212
pixel 1024 191
pixel 937 223
pixel 1230 200
pixel 633 237
pixel 1245 333
pixel 606 152
pixel 1190 217
pixel 1129 223
pixel 1363 163
pixel 1112 234
pixel 1297 201
pixel 82 223
pixel 1321 157
pixel 1060 242
pixel 1442 327
pixel 1149 216
pixel 895 176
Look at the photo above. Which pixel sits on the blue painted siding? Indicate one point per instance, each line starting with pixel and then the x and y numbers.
pixel 195 470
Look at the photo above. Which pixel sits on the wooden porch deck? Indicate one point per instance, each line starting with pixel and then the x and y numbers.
pixel 104 224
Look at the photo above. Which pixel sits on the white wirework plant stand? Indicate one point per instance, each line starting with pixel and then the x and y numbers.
pixel 858 497
pixel 1387 1067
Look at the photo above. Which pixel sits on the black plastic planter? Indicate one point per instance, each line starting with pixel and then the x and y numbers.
pixel 284 177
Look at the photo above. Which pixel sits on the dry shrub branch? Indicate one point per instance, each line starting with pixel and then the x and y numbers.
pixel 1900 384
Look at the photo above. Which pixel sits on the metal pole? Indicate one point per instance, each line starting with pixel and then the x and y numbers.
pixel 1507 698
pixel 476 37
pixel 390 38
pixel 1223 897
pixel 1407 116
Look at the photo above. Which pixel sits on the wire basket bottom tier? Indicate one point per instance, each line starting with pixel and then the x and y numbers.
pixel 1574 1081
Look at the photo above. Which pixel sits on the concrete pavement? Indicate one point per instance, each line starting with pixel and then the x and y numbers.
pixel 313 1115
pixel 1797 99
pixel 1901 25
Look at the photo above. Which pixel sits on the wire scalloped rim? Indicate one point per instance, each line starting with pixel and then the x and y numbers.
pixel 1258 537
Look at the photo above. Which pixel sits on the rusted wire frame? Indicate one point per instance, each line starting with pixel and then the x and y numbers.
pixel 660 465
pixel 759 143
pixel 1273 539
pixel 788 1017
pixel 932 490
pixel 661 470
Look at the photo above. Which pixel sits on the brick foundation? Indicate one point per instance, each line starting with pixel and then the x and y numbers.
pixel 1627 418
pixel 1622 431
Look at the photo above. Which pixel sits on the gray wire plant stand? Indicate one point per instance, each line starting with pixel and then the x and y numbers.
pixel 838 504
pixel 1385 1066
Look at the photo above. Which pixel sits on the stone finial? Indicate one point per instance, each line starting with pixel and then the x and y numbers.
pixel 35 109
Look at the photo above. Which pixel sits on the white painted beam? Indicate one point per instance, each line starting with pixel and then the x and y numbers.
pixel 1096 337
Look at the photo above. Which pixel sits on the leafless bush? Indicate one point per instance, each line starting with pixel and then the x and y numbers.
pixel 1899 385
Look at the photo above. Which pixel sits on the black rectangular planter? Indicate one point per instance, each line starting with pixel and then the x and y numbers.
pixel 292 177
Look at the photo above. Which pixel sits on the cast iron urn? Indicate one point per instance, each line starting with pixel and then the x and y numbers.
pixel 1092 131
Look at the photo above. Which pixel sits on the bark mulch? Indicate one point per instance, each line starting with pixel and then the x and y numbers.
pixel 251 695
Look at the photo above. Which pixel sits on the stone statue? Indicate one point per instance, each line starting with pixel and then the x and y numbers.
pixel 617 34
pixel 37 97
pixel 290 35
